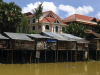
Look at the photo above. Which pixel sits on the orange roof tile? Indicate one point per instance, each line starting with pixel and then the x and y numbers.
pixel 49 19
pixel 81 17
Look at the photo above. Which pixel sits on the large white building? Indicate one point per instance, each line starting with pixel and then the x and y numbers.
pixel 48 22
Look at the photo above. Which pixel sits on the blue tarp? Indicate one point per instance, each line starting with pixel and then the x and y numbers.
pixel 51 40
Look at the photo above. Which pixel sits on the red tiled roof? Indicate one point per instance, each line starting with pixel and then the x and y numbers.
pixel 81 17
pixel 49 19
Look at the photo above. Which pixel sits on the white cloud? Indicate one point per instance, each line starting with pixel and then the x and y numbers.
pixel 72 10
pixel 98 15
pixel 47 6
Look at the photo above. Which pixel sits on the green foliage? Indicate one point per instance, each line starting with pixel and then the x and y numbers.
pixel 24 24
pixel 10 16
pixel 76 29
pixel 32 32
pixel 97 27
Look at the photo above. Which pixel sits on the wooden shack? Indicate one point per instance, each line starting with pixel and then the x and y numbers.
pixel 19 41
pixel 80 47
pixel 20 46
pixel 40 46
pixel 94 45
pixel 62 46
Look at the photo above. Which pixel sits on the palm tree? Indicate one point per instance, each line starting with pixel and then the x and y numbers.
pixel 37 12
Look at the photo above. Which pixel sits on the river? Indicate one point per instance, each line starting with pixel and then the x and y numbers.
pixel 66 68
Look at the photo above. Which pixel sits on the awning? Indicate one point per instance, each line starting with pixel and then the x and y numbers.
pixel 51 40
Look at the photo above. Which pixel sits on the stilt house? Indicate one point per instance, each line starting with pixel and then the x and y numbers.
pixel 19 41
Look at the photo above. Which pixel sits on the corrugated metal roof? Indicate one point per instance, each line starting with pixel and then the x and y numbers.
pixel 78 39
pixel 18 36
pixel 3 37
pixel 37 36
pixel 57 36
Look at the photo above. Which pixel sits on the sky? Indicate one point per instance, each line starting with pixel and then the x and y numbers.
pixel 63 8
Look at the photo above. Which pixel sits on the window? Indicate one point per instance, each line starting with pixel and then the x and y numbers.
pixel 56 21
pixel 47 27
pixel 33 27
pixel 56 28
pixel 33 20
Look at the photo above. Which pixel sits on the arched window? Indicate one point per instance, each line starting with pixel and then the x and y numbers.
pixel 33 27
pixel 56 28
pixel 47 27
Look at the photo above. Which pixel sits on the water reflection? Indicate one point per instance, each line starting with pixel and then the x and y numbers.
pixel 70 68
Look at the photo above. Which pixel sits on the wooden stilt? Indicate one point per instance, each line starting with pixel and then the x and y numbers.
pixel 60 56
pixel 75 55
pixel 7 56
pixel 99 54
pixel 71 55
pixel 35 59
pixel 30 57
pixel 83 55
pixel 45 56
pixel 88 55
pixel 18 55
pixel 12 56
pixel 67 55
pixel 22 57
pixel 55 55
pixel 96 55
pixel 2 54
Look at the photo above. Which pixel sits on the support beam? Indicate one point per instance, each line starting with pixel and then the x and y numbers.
pixel 99 54
pixel 55 55
pixel 67 55
pixel 45 56
pixel 7 56
pixel 71 55
pixel 12 57
pixel 22 57
pixel 83 55
pixel 96 55
pixel 31 57
pixel 75 55
pixel 88 55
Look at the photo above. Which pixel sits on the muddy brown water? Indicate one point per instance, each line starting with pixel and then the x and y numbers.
pixel 66 68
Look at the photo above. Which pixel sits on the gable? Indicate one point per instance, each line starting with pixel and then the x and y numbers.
pixel 94 20
pixel 50 15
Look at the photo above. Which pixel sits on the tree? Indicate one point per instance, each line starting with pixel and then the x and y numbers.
pixel 25 24
pixel 97 27
pixel 37 12
pixel 10 16
pixel 76 29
